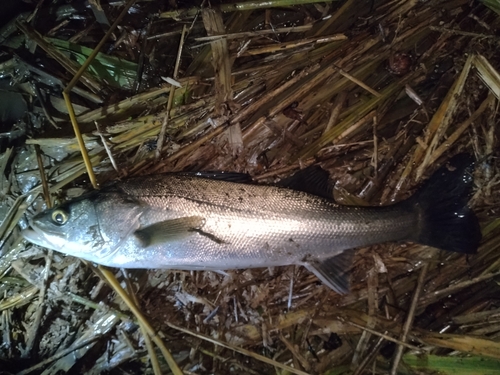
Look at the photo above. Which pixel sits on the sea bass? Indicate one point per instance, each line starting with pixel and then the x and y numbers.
pixel 217 221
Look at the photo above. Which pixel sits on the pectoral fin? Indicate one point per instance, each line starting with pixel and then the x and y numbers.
pixel 169 230
pixel 334 271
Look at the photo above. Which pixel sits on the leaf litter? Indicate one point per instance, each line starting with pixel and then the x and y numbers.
pixel 379 93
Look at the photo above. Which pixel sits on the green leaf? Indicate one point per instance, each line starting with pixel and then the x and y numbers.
pixel 445 365
pixel 493 5
pixel 115 71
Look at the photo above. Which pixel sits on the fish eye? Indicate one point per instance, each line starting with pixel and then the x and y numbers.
pixel 60 217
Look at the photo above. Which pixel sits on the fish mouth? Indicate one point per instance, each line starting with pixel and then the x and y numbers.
pixel 39 238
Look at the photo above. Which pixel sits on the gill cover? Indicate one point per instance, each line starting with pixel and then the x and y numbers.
pixel 71 227
pixel 93 226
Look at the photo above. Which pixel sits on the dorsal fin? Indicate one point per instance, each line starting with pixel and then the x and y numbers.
pixel 223 176
pixel 313 180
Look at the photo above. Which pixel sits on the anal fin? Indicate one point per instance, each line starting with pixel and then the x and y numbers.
pixel 169 230
pixel 334 271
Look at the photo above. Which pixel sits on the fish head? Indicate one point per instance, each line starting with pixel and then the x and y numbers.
pixel 71 228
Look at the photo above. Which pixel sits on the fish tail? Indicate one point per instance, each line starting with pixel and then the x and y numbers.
pixel 445 220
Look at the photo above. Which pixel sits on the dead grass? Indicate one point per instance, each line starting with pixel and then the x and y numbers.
pixel 379 93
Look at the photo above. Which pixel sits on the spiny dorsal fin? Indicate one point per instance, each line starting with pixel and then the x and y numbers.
pixel 222 176
pixel 313 180
pixel 334 271
pixel 169 230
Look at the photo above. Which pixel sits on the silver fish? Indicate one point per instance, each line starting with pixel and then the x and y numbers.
pixel 205 222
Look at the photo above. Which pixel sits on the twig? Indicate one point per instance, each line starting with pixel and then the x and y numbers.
pixel 280 47
pixel 161 136
pixel 383 335
pixel 303 361
pixel 293 29
pixel 375 146
pixel 338 104
pixel 454 288
pixel 44 106
pixel 290 292
pixel 43 178
pixel 356 126
pixel 357 82
pixel 106 147
pixel 464 33
pixel 368 358
pixel 409 320
pixel 140 65
pixel 221 62
pixel 32 336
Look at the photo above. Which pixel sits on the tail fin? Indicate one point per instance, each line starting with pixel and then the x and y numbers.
pixel 445 220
